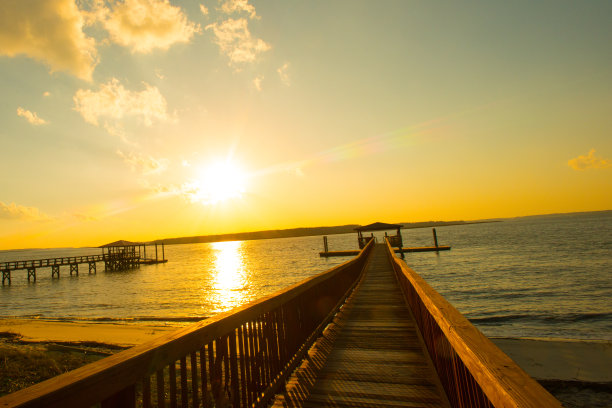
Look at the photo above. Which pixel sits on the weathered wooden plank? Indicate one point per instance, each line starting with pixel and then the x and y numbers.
pixel 501 379
pixel 371 356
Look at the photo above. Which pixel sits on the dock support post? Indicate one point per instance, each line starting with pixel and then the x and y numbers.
pixel 54 271
pixel 156 251
pixel 32 274
pixel 325 247
pixel 401 243
pixel 6 276
pixel 74 267
pixel 163 253
pixel 435 237
pixel 92 267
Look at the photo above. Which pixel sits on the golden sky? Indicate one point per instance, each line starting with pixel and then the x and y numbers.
pixel 146 119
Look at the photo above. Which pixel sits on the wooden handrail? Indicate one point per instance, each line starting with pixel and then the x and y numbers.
pixel 239 357
pixel 473 370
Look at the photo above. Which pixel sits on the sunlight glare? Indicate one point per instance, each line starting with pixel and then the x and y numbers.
pixel 230 279
pixel 220 182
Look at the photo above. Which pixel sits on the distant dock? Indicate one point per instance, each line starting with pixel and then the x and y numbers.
pixel 328 254
pixel 394 240
pixel 115 258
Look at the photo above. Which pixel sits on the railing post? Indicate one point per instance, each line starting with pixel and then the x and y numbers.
pixel 435 236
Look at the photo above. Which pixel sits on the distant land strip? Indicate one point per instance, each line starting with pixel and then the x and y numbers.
pixel 292 232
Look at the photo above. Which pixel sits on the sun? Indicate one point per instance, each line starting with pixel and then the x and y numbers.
pixel 220 181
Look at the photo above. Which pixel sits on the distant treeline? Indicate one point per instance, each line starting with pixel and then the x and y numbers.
pixel 297 232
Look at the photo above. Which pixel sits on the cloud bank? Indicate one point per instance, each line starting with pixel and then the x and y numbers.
pixel 590 161
pixel 114 101
pixel 50 31
pixel 284 74
pixel 144 164
pixel 239 6
pixel 235 41
pixel 31 117
pixel 144 25
pixel 14 211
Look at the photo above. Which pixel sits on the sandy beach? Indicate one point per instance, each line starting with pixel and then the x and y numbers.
pixel 577 372
pixel 46 331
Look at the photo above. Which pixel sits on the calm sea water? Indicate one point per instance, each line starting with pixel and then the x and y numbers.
pixel 530 277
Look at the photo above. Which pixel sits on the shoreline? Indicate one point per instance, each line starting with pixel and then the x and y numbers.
pixel 53 331
pixel 542 358
pixel 576 372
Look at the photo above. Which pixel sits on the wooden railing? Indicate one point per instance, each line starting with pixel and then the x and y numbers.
pixel 41 263
pixel 240 358
pixel 473 371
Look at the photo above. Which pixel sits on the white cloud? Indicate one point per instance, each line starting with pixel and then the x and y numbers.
pixel 14 211
pixel 204 9
pixel 234 40
pixel 31 117
pixel 590 161
pixel 85 217
pixel 50 31
pixel 284 75
pixel 144 25
pixel 144 164
pixel 257 82
pixel 238 6
pixel 113 101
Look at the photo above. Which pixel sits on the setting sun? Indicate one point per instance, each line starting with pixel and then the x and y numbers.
pixel 220 182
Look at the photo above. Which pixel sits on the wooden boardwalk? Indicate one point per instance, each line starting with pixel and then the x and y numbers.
pixel 371 356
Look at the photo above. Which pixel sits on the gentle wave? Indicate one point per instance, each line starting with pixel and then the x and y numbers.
pixel 544 318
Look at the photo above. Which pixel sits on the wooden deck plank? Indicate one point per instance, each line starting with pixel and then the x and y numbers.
pixel 371 356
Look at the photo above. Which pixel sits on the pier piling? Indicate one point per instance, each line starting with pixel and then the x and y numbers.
pixel 74 267
pixel 32 274
pixel 435 236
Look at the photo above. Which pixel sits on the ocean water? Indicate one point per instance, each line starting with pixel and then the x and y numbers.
pixel 548 277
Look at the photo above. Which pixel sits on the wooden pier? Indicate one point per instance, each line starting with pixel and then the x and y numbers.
pixel 367 333
pixel 327 254
pixel 372 355
pixel 394 241
pixel 115 258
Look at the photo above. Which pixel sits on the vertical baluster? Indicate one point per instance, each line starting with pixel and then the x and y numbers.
pixel 214 380
pixel 258 357
pixel 248 357
pixel 146 392
pixel 243 369
pixel 172 381
pixel 264 350
pixel 226 367
pixel 184 392
pixel 273 344
pixel 233 360
pixel 161 392
pixel 282 346
pixel 215 370
pixel 205 399
pixel 253 363
pixel 194 379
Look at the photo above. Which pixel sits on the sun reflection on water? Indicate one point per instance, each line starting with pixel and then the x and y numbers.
pixel 230 280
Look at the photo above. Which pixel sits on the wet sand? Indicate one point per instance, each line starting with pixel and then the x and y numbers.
pixel 48 331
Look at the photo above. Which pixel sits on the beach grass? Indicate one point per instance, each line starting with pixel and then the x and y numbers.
pixel 23 364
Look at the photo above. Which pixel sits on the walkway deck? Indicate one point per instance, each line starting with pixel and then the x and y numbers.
pixel 371 356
